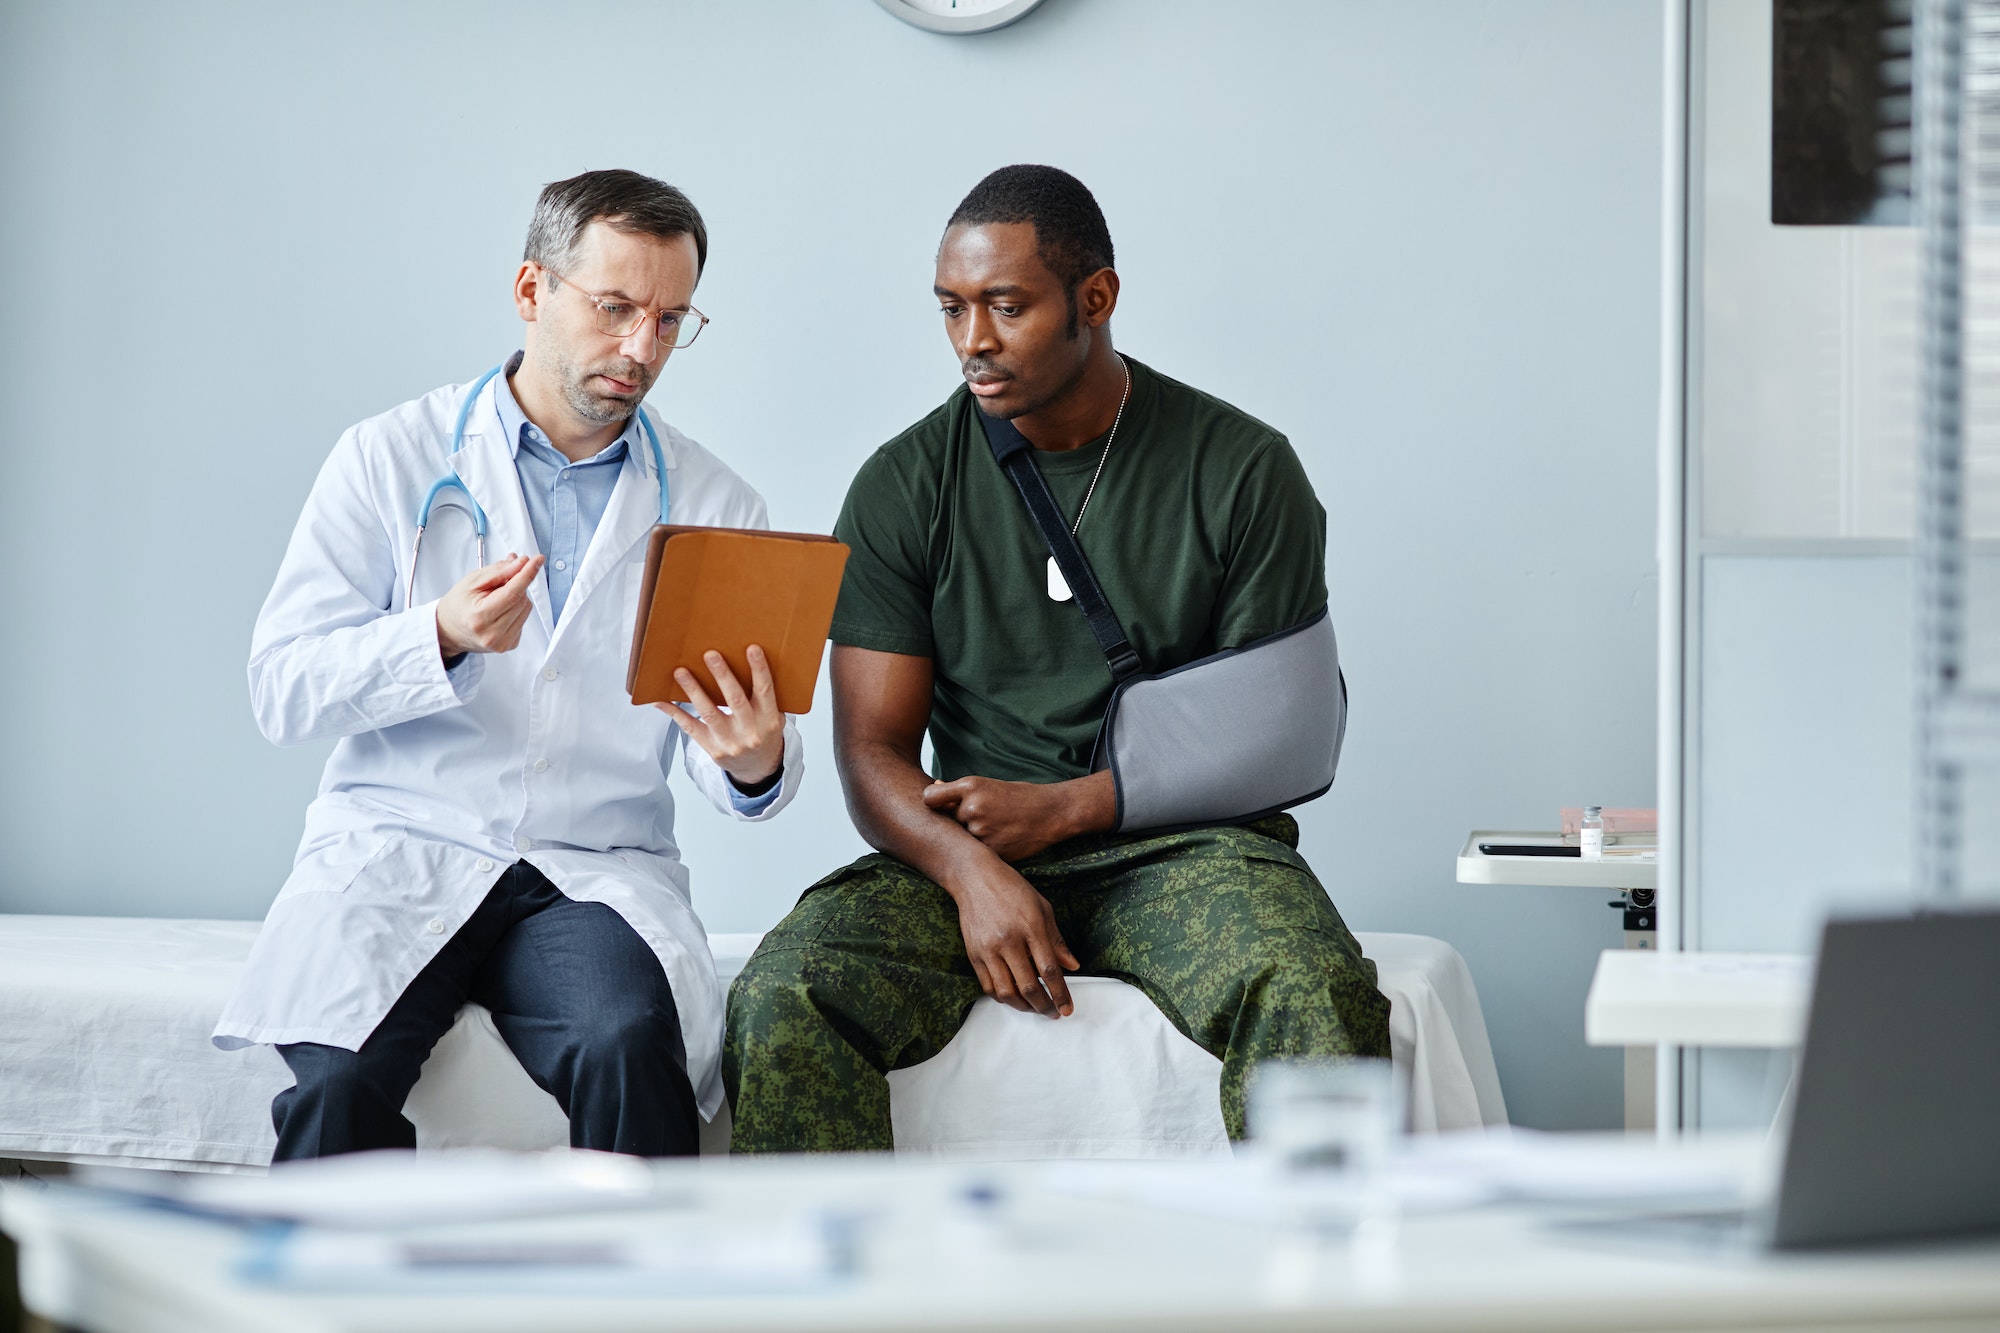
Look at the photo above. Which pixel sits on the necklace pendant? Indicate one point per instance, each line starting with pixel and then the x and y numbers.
pixel 1058 586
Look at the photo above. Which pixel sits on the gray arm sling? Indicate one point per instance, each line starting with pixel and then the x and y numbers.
pixel 1228 737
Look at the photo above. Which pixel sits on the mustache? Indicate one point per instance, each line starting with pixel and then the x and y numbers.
pixel 629 371
pixel 979 365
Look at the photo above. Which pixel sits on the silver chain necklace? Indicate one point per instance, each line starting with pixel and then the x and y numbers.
pixel 1058 586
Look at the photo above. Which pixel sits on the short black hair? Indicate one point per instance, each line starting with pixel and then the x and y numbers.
pixel 622 200
pixel 1070 233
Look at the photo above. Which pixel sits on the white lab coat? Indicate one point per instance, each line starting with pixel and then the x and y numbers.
pixel 440 781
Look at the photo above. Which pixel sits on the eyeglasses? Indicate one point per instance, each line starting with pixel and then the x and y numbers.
pixel 618 319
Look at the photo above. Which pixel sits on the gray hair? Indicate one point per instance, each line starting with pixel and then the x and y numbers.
pixel 623 200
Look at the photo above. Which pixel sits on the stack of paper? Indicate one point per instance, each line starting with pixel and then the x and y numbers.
pixel 687 1255
pixel 487 1220
pixel 1437 1173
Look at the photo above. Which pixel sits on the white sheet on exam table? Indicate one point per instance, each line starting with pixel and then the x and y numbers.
pixel 104 1046
pixel 1115 1079
pixel 1006 1085
pixel 104 1050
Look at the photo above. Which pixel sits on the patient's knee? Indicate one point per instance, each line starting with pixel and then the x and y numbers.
pixel 1304 992
pixel 1300 968
pixel 1280 957
pixel 771 988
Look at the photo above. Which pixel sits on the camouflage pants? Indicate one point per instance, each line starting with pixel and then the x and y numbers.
pixel 1225 929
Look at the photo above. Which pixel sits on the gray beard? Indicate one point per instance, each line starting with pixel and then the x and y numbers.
pixel 585 404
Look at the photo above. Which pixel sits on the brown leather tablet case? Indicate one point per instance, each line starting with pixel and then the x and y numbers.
pixel 725 589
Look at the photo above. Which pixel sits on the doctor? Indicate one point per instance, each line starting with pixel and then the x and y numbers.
pixel 494 824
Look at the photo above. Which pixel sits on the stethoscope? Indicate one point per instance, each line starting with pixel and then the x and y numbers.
pixel 452 481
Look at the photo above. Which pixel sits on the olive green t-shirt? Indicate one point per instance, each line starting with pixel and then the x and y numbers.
pixel 1204 533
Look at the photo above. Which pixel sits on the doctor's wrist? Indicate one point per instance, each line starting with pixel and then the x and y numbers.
pixel 760 786
pixel 448 649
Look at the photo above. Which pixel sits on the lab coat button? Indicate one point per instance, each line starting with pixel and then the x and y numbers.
pixel 484 865
pixel 541 765
pixel 550 673
pixel 524 844
pixel 434 926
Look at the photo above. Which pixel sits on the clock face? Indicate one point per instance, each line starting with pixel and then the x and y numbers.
pixel 958 16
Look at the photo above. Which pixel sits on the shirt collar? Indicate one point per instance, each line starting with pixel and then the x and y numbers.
pixel 513 421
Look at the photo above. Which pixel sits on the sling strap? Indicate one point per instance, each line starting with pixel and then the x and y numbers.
pixel 1017 459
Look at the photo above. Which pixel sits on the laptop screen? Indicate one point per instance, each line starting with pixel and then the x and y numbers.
pixel 1896 1117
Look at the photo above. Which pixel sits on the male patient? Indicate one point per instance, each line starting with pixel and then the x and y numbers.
pixel 1003 874
pixel 494 823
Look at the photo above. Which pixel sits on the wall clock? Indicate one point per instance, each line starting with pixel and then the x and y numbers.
pixel 958 16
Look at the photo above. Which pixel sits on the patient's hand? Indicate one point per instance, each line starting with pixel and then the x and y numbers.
pixel 881 707
pixel 1018 819
pixel 1011 937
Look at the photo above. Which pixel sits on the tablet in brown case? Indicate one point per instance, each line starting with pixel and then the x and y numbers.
pixel 725 589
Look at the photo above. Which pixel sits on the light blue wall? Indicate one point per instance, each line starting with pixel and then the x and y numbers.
pixel 1805 773
pixel 1806 766
pixel 1805 744
pixel 1806 759
pixel 1421 238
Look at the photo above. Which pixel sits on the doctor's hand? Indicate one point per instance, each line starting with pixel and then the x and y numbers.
pixel 1011 937
pixel 1018 819
pixel 485 610
pixel 748 741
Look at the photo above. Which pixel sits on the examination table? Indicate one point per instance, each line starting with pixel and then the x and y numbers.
pixel 105 1058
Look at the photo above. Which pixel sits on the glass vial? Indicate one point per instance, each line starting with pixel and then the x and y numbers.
pixel 1592 830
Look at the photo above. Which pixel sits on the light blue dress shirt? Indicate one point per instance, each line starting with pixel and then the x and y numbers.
pixel 566 502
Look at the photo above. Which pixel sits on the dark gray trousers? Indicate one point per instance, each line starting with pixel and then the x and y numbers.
pixel 578 996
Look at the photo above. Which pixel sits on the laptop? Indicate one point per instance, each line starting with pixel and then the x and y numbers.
pixel 1895 1101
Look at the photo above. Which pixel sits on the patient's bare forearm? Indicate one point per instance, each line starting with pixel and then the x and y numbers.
pixel 1095 798
pixel 885 798
pixel 881 706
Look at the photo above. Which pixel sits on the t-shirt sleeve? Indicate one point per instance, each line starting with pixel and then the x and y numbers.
pixel 1277 564
pixel 885 594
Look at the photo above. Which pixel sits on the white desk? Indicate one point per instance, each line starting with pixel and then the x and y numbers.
pixel 1698 999
pixel 1642 1001
pixel 1100 1260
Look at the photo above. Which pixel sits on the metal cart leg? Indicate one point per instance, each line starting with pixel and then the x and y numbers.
pixel 1641 1066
